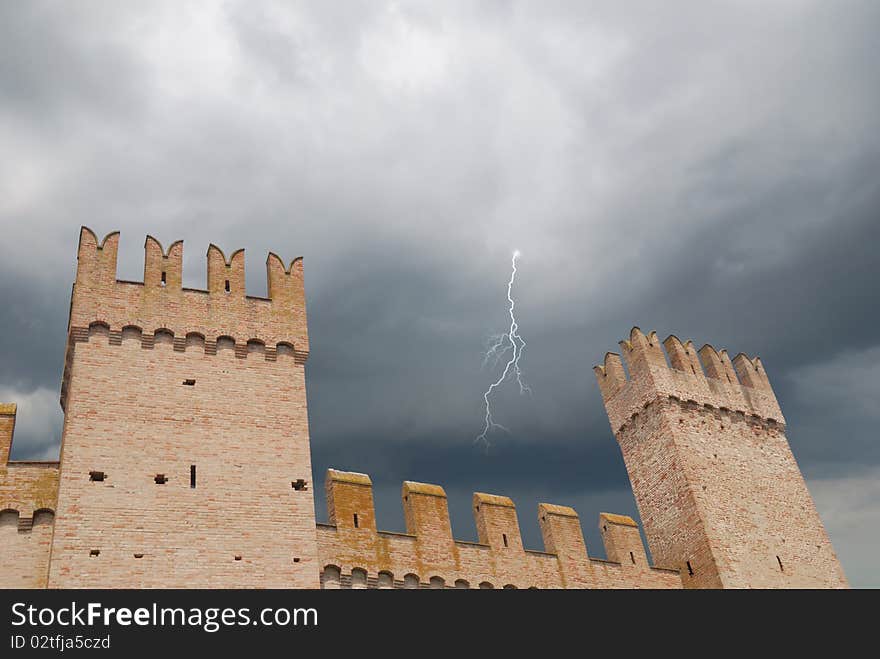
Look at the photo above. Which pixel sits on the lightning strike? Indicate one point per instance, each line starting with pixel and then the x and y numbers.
pixel 500 345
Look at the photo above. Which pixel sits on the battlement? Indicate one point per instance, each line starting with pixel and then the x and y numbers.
pixel 7 428
pixel 8 413
pixel 28 500
pixel 160 301
pixel 706 377
pixel 429 555
pixel 28 489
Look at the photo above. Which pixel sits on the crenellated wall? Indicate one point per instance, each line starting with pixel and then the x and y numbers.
pixel 28 493
pixel 353 553
pixel 718 489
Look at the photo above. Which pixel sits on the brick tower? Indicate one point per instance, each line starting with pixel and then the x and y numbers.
pixel 185 453
pixel 718 489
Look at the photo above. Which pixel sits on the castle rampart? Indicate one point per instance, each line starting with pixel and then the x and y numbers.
pixel 353 553
pixel 28 492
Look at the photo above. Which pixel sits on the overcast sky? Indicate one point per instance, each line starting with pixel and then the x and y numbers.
pixel 704 169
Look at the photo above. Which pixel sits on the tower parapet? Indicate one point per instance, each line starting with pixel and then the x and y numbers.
pixel 161 302
pixel 161 307
pixel 705 377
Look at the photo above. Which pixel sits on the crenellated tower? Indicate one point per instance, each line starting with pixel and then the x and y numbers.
pixel 185 455
pixel 719 492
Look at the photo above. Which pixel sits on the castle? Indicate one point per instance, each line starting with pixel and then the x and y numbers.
pixel 185 462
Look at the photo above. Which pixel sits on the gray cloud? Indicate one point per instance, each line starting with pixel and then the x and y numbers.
pixel 708 172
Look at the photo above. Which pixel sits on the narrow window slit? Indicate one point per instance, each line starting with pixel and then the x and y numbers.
pixel 504 538
pixel 356 520
pixel 690 569
pixel 164 281
pixel 632 558
pixel 189 383
pixel 779 560
pixel 192 476
pixel 227 285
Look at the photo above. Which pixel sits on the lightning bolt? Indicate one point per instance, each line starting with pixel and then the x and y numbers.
pixel 500 345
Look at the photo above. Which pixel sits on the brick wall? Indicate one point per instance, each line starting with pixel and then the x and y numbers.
pixel 27 504
pixel 428 556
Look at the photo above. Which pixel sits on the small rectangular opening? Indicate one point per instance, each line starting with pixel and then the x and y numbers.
pixel 192 476
pixel 690 569
pixel 160 479
pixel 779 560
pixel 189 383
pixel 163 278
pixel 227 285
pixel 296 560
pixel 299 484
pixel 504 538
pixel 94 552
pixel 237 557
pixel 138 555
pixel 97 476
pixel 355 520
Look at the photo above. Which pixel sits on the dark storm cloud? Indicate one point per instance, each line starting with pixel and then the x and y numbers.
pixel 56 61
pixel 703 171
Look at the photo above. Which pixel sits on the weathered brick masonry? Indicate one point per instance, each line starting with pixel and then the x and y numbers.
pixel 185 462
pixel 355 554
pixel 28 492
